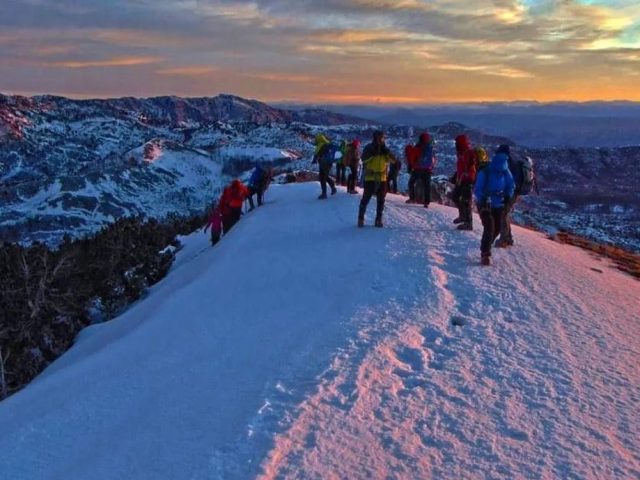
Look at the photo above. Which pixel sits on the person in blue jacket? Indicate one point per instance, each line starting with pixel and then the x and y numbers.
pixel 493 190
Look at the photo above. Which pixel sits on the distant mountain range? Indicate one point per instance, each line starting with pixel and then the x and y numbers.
pixel 593 124
pixel 72 166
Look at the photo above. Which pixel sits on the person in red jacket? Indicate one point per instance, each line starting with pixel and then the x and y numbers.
pixel 411 156
pixel 231 204
pixel 465 177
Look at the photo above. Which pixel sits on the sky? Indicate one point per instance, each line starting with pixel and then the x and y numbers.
pixel 331 51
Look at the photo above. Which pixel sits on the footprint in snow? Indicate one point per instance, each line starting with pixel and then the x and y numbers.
pixel 411 357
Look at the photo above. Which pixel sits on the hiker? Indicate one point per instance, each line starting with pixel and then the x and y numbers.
pixel 341 169
pixel 392 178
pixel 465 177
pixel 258 184
pixel 324 165
pixel 352 162
pixel 410 157
pixel 375 161
pixel 494 189
pixel 521 169
pixel 215 222
pixel 424 161
pixel 231 204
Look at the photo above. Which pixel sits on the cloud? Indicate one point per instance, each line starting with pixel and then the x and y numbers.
pixel 330 48
pixel 111 62
pixel 193 71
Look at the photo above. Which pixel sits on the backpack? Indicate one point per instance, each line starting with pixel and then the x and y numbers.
pixel 426 160
pixel 481 157
pixel 256 177
pixel 523 174
pixel 331 153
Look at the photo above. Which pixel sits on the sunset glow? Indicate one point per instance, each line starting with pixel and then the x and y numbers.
pixel 351 51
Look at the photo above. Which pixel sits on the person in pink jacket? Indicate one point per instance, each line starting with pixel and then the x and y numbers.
pixel 215 222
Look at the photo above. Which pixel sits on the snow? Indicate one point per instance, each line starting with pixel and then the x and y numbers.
pixel 303 347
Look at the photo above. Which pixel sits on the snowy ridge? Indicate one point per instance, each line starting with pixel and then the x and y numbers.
pixel 303 347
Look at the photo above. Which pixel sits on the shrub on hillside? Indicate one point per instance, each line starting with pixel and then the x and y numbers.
pixel 48 296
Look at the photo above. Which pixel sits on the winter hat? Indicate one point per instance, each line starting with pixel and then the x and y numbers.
pixel 355 143
pixel 378 134
pixel 425 137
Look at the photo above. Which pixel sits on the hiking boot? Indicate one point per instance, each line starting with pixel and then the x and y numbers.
pixel 411 200
pixel 334 190
pixel 457 220
pixel 354 192
pixel 502 244
pixel 360 222
pixel 426 205
pixel 378 222
pixel 485 260
pixel 465 226
pixel 322 196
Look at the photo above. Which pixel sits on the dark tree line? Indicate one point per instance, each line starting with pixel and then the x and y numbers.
pixel 47 296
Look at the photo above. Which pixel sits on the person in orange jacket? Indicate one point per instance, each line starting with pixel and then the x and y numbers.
pixel 231 204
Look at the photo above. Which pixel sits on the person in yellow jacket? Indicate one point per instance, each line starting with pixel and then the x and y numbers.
pixel 324 165
pixel 376 158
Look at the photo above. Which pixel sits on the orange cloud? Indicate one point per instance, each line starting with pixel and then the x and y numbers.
pixel 193 71
pixel 112 62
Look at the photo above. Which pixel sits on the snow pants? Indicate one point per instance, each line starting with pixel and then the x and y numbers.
pixel 352 179
pixel 325 178
pixel 491 223
pixel 259 191
pixel 215 236
pixel 392 182
pixel 505 230
pixel 230 219
pixel 341 173
pixel 463 198
pixel 371 188
pixel 425 178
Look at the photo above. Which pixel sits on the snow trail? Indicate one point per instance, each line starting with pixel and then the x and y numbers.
pixel 303 347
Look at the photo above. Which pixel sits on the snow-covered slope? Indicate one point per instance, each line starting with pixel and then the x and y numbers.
pixel 303 347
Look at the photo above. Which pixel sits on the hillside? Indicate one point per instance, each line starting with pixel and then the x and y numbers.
pixel 303 347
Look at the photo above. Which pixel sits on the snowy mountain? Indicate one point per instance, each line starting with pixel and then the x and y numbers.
pixel 69 166
pixel 303 347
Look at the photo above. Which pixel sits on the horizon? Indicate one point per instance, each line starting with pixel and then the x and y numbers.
pixel 336 52
pixel 283 103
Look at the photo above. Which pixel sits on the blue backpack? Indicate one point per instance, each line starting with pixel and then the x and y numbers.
pixel 331 153
pixel 256 176
pixel 426 160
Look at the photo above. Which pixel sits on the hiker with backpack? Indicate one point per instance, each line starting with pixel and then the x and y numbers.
pixel 324 156
pixel 465 177
pixel 493 190
pixel 351 161
pixel 215 222
pixel 410 156
pixel 376 158
pixel 231 204
pixel 258 184
pixel 341 169
pixel 521 169
pixel 424 161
